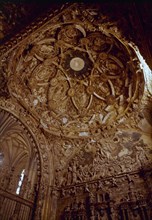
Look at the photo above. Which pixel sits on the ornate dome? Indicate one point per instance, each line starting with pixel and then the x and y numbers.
pixel 76 76
pixel 74 118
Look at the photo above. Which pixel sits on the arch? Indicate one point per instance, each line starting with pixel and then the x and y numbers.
pixel 40 148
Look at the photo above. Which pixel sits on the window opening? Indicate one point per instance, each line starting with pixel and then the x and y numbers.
pixel 146 69
pixel 20 182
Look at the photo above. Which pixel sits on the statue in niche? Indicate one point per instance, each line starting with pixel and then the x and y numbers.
pixel 81 174
pixel 141 157
pixel 57 176
pixel 72 173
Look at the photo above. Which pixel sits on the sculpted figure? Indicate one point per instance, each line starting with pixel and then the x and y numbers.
pixel 73 171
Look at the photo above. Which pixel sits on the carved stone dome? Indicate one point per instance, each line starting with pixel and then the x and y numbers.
pixel 77 77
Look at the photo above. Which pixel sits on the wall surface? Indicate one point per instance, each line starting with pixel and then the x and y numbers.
pixel 74 83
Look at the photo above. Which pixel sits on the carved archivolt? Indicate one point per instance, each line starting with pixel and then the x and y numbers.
pixel 17 148
pixel 74 75
pixel 40 147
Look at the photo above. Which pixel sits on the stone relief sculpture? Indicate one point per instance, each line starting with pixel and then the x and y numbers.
pixel 124 153
pixel 73 75
pixel 77 85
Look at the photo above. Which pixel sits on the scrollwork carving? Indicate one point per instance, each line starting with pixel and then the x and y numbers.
pixel 75 77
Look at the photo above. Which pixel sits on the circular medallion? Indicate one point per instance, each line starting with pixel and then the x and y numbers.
pixel 77 64
pixel 54 82
pixel 71 92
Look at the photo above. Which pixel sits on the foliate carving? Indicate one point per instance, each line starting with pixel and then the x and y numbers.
pixel 121 152
pixel 76 77
pixel 3 82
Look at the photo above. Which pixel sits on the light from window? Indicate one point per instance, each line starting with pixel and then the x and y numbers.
pixel 144 66
pixel 20 182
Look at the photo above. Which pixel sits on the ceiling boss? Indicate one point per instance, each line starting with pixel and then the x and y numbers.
pixel 77 77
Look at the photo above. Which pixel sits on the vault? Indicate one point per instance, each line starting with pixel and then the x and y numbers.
pixel 76 75
pixel 77 84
